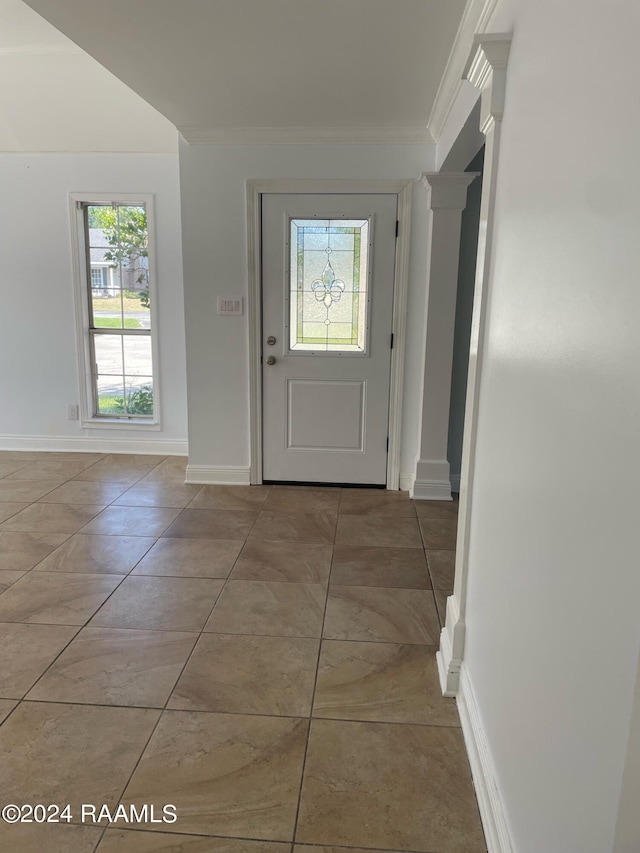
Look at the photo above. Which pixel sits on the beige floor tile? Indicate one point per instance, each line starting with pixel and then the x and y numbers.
pixel 50 470
pixel 115 555
pixel 441 603
pixel 19 455
pixel 59 456
pixel 170 469
pixel 6 707
pixel 74 754
pixel 311 527
pixel 271 609
pixel 51 518
pixel 227 774
pixel 8 467
pixel 212 524
pixel 437 509
pixel 159 604
pixel 381 682
pixel 376 502
pixel 397 787
pixel 292 562
pixel 79 492
pixel 23 551
pixel 10 508
pixel 381 615
pixel 132 521
pixel 196 558
pixel 111 666
pixel 120 468
pixel 299 499
pixel 385 532
pixel 25 491
pixel 48 838
pixel 25 653
pixel 231 497
pixel 442 568
pixel 384 567
pixel 55 598
pixel 7 579
pixel 128 841
pixel 249 675
pixel 313 848
pixel 439 534
pixel 158 494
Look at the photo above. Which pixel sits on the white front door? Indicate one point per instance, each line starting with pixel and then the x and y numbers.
pixel 327 311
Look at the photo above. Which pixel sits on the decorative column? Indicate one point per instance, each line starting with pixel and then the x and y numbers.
pixel 447 198
pixel 486 69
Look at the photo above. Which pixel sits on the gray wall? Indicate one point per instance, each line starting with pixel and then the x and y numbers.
pixel 464 306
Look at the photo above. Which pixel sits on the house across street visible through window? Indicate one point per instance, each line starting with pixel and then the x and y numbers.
pixel 118 310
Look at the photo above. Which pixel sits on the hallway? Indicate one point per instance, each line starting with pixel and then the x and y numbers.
pixel 261 658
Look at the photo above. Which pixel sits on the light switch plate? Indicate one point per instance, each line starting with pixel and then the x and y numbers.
pixel 229 305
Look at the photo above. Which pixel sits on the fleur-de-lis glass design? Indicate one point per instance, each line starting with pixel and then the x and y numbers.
pixel 328 289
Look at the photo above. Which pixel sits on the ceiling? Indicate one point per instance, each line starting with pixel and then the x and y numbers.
pixel 215 67
pixel 54 97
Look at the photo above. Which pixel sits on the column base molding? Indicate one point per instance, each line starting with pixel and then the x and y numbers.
pixel 449 655
pixel 432 481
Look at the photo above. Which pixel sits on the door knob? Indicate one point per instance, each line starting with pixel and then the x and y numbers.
pixel 271 359
pixel 271 340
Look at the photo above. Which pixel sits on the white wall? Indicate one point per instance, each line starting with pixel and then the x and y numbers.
pixel 553 611
pixel 38 363
pixel 213 190
pixel 627 838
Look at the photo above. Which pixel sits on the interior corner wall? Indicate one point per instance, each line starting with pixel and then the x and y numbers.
pixel 552 614
pixel 39 373
pixel 213 189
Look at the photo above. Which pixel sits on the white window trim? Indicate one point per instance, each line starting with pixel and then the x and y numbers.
pixel 80 287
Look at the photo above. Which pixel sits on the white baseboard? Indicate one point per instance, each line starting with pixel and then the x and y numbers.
pixel 406 482
pixel 82 444
pixel 492 811
pixel 221 475
pixel 431 490
pixel 455 483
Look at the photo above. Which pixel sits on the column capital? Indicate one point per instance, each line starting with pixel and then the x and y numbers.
pixel 486 69
pixel 447 189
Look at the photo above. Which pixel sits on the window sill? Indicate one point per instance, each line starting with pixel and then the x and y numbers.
pixel 118 423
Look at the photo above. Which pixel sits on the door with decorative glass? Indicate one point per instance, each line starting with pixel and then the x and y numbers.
pixel 327 311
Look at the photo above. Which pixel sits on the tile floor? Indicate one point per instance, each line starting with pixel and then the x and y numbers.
pixel 260 658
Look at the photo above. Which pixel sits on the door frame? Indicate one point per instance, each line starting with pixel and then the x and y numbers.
pixel 256 188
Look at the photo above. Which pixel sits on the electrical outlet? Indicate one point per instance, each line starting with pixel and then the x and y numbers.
pixel 73 413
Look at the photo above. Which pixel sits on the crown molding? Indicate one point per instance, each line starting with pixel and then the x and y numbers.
pixel 475 20
pixel 306 135
pixel 39 49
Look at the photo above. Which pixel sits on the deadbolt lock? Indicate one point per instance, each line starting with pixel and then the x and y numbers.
pixel 271 359
pixel 271 340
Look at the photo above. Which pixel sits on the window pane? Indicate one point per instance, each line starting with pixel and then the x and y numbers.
pixel 118 290
pixel 137 355
pixel 108 354
pixel 110 395
pixel 328 285
pixel 139 395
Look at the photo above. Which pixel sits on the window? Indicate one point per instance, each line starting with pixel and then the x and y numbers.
pixel 328 285
pixel 115 300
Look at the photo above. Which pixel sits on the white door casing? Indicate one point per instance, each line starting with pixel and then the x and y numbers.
pixel 326 404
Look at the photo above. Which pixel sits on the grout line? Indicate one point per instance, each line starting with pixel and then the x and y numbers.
pixel 315 683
